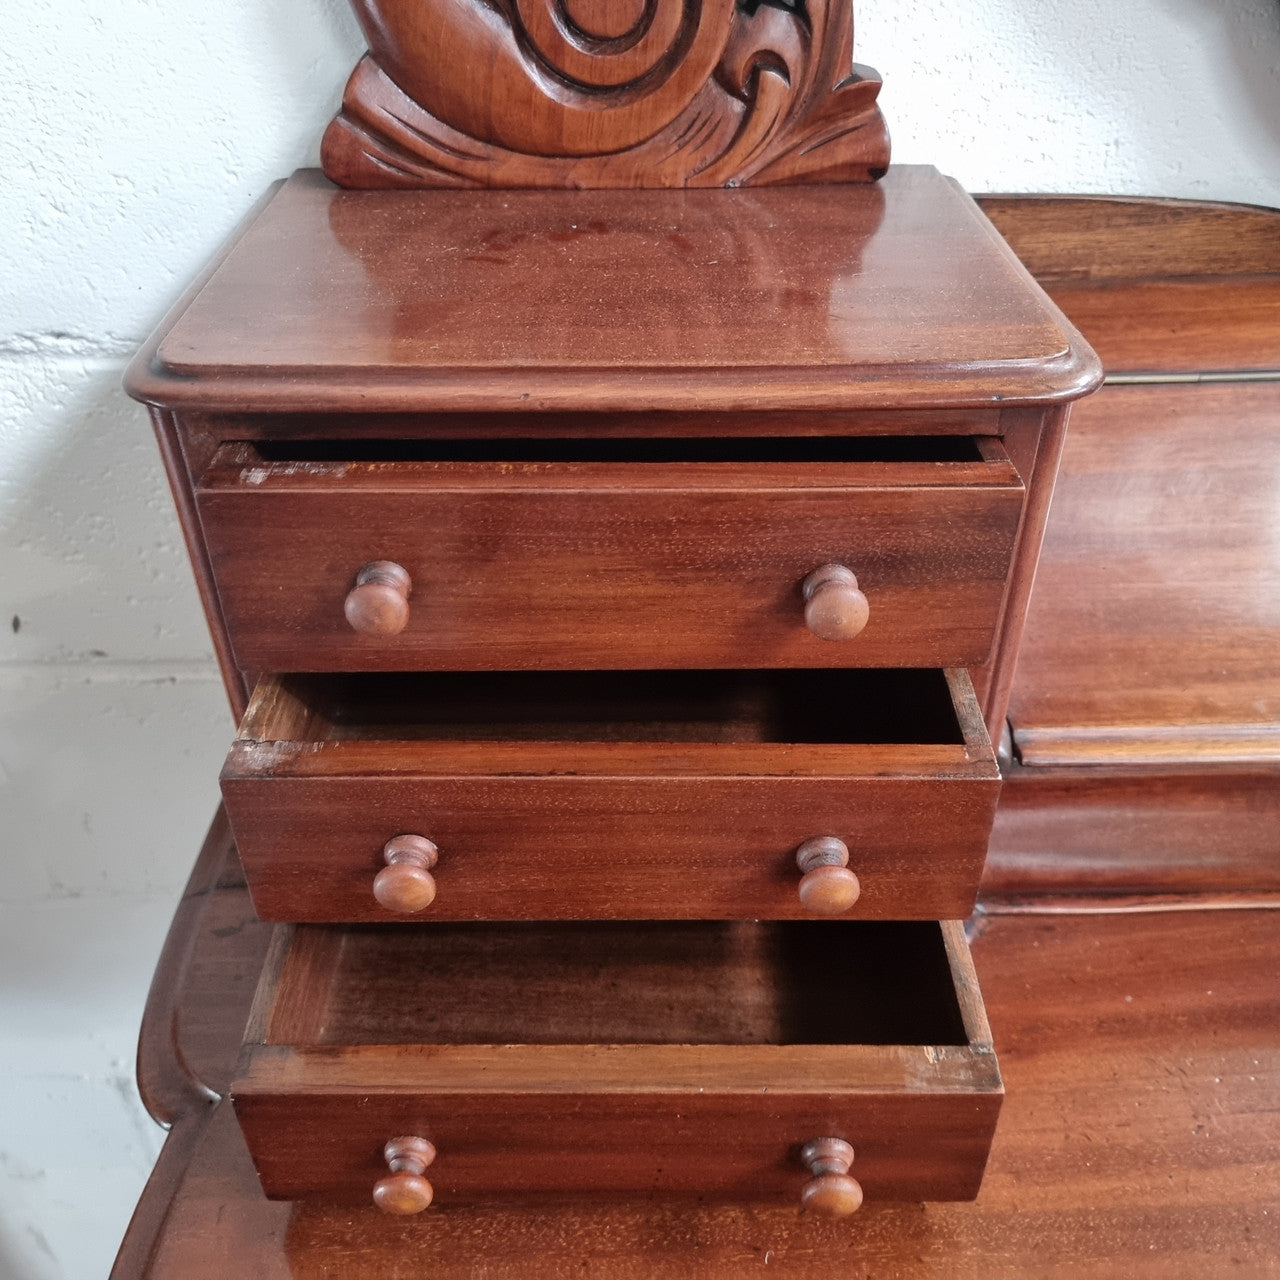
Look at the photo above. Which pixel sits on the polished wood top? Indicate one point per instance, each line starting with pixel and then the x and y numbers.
pixel 889 295
pixel 1152 635
pixel 1159 287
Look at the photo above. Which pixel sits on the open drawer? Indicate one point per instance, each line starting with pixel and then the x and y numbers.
pixel 698 1057
pixel 605 795
pixel 514 554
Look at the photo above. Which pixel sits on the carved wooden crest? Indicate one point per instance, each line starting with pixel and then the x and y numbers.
pixel 606 93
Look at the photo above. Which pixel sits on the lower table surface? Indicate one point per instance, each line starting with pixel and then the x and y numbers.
pixel 1140 1136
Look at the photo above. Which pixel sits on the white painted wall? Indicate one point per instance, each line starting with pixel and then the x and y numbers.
pixel 135 136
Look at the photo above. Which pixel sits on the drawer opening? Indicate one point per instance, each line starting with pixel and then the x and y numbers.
pixel 593 1057
pixel 609 796
pixel 592 564
pixel 688 983
pixel 864 705
pixel 636 449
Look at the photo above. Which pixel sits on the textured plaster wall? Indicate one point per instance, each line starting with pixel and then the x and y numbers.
pixel 135 135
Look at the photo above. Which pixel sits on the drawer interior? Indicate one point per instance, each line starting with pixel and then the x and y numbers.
pixel 636 449
pixel 612 795
pixel 865 705
pixel 603 1058
pixel 678 983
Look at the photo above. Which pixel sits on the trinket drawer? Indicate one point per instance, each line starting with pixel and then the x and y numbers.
pixel 611 1067
pixel 669 556
pixel 601 795
pixel 609 585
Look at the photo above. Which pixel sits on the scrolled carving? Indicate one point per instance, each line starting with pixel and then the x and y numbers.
pixel 606 93
pixel 668 36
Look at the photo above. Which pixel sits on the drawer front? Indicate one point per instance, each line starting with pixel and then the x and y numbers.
pixel 660 847
pixel 517 566
pixel 583 1058
pixel 733 1146
pixel 638 795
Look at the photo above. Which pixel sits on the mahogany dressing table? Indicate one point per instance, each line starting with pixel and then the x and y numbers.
pixel 619 591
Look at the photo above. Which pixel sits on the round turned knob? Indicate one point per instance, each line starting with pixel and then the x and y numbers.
pixel 834 608
pixel 828 887
pixel 831 1191
pixel 404 1189
pixel 405 885
pixel 378 605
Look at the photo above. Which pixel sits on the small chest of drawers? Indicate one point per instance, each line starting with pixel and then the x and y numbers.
pixel 619 591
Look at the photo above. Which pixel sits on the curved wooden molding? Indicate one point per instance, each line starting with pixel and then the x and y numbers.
pixel 606 93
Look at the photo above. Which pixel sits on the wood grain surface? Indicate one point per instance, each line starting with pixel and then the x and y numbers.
pixel 1035 442
pixel 1153 632
pixel 1145 710
pixel 1186 829
pixel 285 430
pixel 581 1058
pixel 1189 327
pixel 584 93
pixel 1138 1140
pixel 893 295
pixel 607 564
pixel 1157 286
pixel 643 795
pixel 1101 238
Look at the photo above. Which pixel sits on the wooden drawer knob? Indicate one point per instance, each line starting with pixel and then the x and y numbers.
pixel 834 608
pixel 405 885
pixel 404 1190
pixel 828 887
pixel 378 605
pixel 831 1191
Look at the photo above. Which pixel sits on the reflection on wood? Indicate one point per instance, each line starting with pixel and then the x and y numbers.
pixel 1146 708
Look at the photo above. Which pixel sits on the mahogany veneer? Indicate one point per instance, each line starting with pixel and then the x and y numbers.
pixel 607 93
pixel 1159 287
pixel 648 563
pixel 1141 1055
pixel 1145 721
pixel 893 296
pixel 581 1059
pixel 635 563
pixel 645 795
